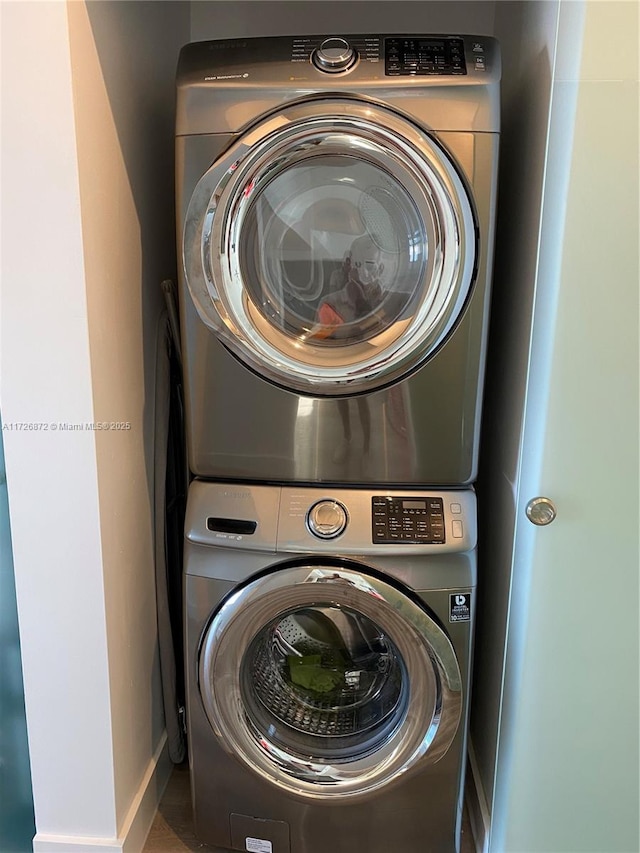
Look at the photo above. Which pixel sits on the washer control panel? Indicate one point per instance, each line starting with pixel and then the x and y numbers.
pixel 327 519
pixel 412 520
pixel 410 56
pixel 331 520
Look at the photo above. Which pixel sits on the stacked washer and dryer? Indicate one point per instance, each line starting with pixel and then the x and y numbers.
pixel 335 214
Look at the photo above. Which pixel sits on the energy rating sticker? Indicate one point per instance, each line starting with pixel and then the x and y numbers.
pixel 258 845
pixel 460 607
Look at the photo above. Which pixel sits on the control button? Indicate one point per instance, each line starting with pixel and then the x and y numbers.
pixel 334 54
pixel 327 519
pixel 456 509
pixel 457 530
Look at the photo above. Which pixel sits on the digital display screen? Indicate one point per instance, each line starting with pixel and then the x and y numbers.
pixel 414 504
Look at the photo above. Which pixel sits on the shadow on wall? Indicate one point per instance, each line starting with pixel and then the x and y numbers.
pixel 140 90
pixel 124 83
pixel 17 824
pixel 526 90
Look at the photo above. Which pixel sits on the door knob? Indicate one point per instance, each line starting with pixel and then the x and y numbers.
pixel 541 511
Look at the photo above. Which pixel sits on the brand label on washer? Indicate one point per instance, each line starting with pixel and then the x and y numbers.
pixel 258 845
pixel 460 607
pixel 227 77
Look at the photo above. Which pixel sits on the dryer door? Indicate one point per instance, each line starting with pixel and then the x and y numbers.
pixel 332 248
pixel 328 681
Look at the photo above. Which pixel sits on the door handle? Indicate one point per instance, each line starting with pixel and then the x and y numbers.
pixel 541 511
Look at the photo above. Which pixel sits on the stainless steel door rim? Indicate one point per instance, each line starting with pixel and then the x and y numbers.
pixel 430 716
pixel 215 238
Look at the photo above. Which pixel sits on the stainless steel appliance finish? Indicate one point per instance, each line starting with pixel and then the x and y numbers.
pixel 327 690
pixel 335 218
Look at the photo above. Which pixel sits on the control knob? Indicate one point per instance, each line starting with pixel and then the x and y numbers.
pixel 327 519
pixel 334 54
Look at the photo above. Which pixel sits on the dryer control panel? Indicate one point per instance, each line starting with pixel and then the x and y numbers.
pixel 424 56
pixel 404 56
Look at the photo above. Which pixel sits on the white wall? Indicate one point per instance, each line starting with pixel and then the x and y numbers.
pixel 123 59
pixel 224 19
pixel 87 237
pixel 52 475
pixel 567 769
pixel 554 720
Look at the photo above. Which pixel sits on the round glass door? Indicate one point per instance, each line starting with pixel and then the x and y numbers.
pixel 332 249
pixel 325 681
pixel 328 681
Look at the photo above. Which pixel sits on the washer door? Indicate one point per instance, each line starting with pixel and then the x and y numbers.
pixel 328 681
pixel 332 248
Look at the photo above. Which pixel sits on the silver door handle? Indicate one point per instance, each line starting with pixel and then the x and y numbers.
pixel 541 511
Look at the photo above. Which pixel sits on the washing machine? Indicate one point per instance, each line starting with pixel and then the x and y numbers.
pixel 335 207
pixel 328 646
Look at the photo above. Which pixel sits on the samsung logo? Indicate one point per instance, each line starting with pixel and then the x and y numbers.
pixel 236 496
pixel 222 45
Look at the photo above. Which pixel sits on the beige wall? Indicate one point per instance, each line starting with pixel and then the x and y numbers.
pixel 224 19
pixel 88 94
pixel 123 63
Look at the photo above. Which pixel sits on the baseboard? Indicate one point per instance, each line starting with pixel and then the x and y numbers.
pixel 144 806
pixel 477 805
pixel 136 824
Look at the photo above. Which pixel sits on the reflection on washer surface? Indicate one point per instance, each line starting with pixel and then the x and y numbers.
pixel 327 696
pixel 346 255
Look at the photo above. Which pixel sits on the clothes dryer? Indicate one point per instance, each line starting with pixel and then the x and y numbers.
pixel 335 216
pixel 328 646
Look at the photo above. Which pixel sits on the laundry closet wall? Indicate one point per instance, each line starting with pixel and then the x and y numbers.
pixel 88 94
pixel 87 225
pixel 228 19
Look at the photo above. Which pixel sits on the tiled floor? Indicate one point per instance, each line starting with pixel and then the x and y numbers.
pixel 172 830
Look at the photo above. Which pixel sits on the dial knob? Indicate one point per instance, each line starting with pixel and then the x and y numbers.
pixel 334 54
pixel 327 519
